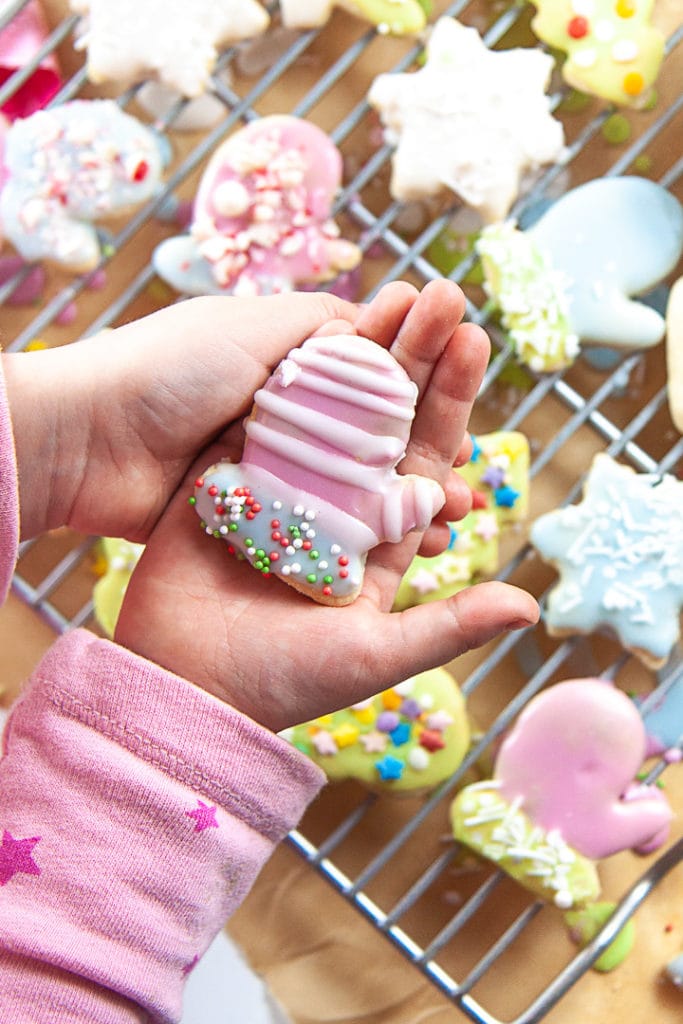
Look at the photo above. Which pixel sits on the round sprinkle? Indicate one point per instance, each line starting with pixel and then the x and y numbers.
pixel 633 83
pixel 311 577
pixel 616 129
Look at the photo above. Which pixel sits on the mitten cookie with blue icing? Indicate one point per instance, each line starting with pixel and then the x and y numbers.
pixel 317 485
pixel 69 169
pixel 574 275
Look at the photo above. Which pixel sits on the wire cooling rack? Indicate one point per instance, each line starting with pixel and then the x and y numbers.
pixel 618 405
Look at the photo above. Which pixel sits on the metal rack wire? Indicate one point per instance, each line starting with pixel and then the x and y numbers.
pixel 622 410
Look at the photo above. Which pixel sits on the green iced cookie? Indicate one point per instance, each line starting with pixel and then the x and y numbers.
pixel 408 738
pixel 584 924
pixel 541 861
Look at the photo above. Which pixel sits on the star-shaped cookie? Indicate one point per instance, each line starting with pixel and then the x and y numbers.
pixel 170 40
pixel 395 17
pixel 619 553
pixel 472 120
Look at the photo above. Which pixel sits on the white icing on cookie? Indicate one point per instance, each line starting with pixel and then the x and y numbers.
pixel 674 352
pixel 172 40
pixel 67 169
pixel 317 486
pixel 399 17
pixel 472 120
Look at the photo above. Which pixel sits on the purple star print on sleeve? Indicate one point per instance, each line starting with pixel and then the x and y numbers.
pixel 16 857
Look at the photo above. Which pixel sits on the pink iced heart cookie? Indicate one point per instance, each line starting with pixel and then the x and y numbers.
pixel 564 793
pixel 317 486
pixel 262 215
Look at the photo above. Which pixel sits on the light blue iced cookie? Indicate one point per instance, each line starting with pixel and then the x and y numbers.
pixel 619 554
pixel 613 238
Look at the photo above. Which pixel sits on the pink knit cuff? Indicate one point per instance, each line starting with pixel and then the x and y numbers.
pixel 9 495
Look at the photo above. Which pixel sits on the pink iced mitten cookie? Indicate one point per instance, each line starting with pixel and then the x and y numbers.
pixel 612 49
pixel 398 17
pixel 619 554
pixel 563 793
pixel 173 41
pixel 472 120
pixel 69 168
pixel 261 220
pixel 317 486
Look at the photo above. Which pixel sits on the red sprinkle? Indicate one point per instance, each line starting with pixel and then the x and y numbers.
pixel 199 482
pixel 213 490
pixel 578 27
pixel 343 573
pixel 307 545
pixel 343 560
pixel 327 591
pixel 479 499
pixel 431 740
pixel 275 523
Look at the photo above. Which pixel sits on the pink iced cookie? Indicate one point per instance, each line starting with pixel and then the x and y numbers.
pixel 317 486
pixel 572 757
pixel 261 219
pixel 563 793
pixel 20 41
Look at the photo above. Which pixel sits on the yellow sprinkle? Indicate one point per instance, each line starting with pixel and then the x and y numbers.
pixel 625 8
pixel 391 700
pixel 365 715
pixel 324 722
pixel 37 345
pixel 345 735
pixel 633 83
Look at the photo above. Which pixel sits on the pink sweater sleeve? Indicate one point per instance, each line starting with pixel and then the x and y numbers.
pixel 135 812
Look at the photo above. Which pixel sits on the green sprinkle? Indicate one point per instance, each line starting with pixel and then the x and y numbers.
pixel 574 102
pixel 192 500
pixel 311 578
pixel 233 527
pixel 616 129
pixel 314 554
pixel 260 553
pixel 217 534
pixel 249 542
pixel 328 579
pixel 642 163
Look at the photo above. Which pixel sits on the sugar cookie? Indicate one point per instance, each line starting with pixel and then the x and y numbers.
pixel 395 17
pixel 405 740
pixel 317 486
pixel 118 559
pixel 674 352
pixel 573 273
pixel 619 555
pixel 68 169
pixel 472 120
pixel 563 793
pixel 612 49
pixel 498 474
pixel 170 40
pixel 262 216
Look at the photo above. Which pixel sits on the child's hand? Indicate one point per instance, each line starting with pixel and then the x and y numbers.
pixel 106 428
pixel 260 645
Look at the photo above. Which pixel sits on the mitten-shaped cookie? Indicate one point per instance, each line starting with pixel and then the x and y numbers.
pixel 317 486
pixel 563 793
pixel 262 215
pixel 68 169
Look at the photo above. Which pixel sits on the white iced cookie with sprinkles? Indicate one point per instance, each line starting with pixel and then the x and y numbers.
pixel 172 41
pixel 472 120
pixel 619 555
pixel 69 169
pixel 317 485
pixel 405 740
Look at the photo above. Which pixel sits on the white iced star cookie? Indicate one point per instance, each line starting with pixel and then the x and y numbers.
pixel 173 41
pixel 472 120
pixel 619 555
pixel 395 17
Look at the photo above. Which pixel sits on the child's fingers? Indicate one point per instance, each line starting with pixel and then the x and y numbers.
pixel 383 317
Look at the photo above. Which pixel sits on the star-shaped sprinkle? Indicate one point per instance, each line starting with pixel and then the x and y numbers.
pixel 389 768
pixel 472 120
pixel 487 526
pixel 324 743
pixel 494 476
pixel 374 742
pixel 204 816
pixel 439 720
pixel 401 734
pixel 505 497
pixel 619 554
pixel 424 581
pixel 16 857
